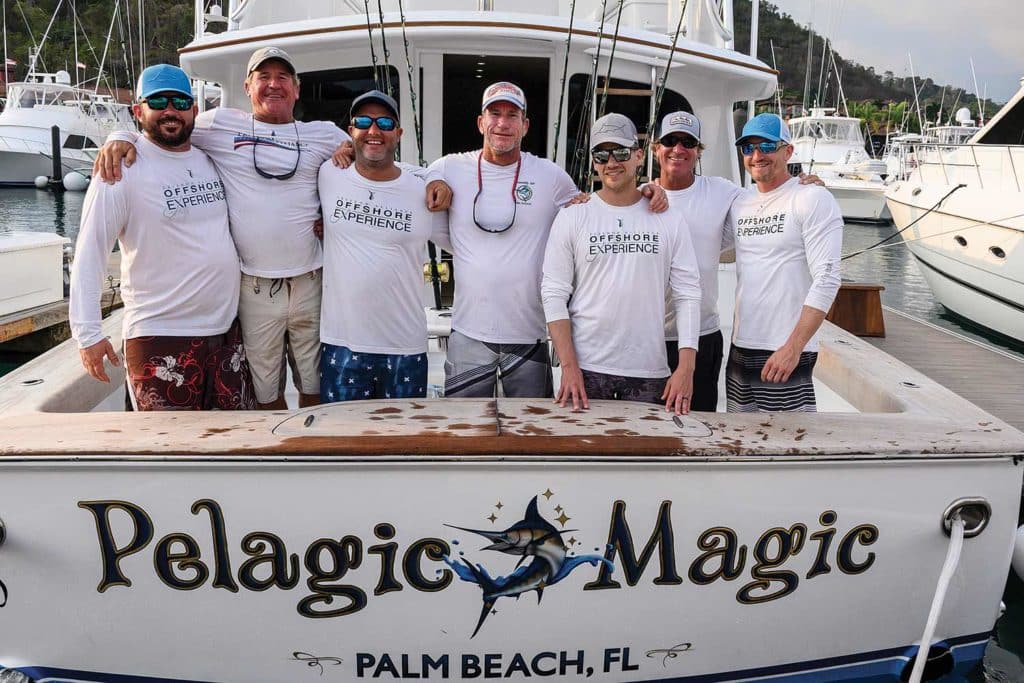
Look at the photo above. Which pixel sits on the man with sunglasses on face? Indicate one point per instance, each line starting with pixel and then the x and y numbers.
pixel 179 267
pixel 504 202
pixel 788 239
pixel 607 267
pixel 269 163
pixel 704 201
pixel 376 226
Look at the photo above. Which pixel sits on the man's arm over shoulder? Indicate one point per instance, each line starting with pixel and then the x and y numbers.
pixel 564 187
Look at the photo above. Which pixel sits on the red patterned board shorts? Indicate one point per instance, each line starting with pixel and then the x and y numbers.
pixel 190 373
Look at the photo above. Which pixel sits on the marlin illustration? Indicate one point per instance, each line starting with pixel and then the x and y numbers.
pixel 533 536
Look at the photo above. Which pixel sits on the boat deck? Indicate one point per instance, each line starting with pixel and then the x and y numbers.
pixel 985 376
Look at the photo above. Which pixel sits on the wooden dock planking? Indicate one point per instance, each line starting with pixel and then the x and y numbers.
pixel 32 320
pixel 988 378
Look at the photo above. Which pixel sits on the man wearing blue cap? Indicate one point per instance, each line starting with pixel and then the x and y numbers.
pixel 788 239
pixel 179 267
pixel 376 227
pixel 269 162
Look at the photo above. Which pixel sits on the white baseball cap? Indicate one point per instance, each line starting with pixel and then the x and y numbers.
pixel 503 91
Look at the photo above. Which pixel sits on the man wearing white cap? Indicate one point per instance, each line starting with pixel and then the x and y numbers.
pixel 607 267
pixel 788 239
pixel 179 267
pixel 499 220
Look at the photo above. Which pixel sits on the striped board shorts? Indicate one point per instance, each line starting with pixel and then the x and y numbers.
pixel 746 392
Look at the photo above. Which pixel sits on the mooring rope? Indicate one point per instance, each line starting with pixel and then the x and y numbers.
pixel 909 225
pixel 956 544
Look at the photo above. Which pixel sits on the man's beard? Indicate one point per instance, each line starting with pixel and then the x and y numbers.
pixel 176 140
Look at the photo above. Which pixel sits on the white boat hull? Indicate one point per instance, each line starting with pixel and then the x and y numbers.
pixel 163 567
pixel 860 200
pixel 20 169
pixel 958 247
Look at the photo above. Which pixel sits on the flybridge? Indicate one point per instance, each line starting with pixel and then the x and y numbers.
pixel 705 21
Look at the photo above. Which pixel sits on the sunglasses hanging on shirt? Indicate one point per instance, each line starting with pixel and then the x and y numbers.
pixel 272 176
pixel 480 189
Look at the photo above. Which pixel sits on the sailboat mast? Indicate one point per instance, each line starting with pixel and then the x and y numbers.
pixel 5 43
pixel 74 32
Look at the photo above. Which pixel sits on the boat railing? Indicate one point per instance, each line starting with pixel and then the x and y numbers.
pixel 987 166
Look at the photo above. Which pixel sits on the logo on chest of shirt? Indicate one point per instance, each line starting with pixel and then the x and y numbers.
pixel 373 215
pixel 760 226
pixel 251 139
pixel 622 242
pixel 524 193
pixel 178 199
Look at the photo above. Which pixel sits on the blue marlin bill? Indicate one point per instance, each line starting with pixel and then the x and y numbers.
pixel 244 572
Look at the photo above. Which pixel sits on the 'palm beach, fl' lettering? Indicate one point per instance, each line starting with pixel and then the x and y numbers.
pixel 178 562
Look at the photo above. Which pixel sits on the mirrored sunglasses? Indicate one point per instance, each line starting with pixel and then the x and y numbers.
pixel 685 140
pixel 621 154
pixel 384 123
pixel 747 148
pixel 160 102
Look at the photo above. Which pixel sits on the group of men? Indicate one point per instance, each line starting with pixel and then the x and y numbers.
pixel 626 289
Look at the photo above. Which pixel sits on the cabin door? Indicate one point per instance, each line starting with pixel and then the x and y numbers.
pixel 453 89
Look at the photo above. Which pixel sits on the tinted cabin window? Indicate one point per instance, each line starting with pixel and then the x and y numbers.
pixel 327 95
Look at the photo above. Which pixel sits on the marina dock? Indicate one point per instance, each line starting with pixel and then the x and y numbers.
pixel 991 379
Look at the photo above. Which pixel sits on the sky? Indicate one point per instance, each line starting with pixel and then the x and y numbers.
pixel 941 36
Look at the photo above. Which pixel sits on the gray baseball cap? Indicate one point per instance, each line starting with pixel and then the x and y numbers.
pixel 377 96
pixel 264 53
pixel 680 122
pixel 613 128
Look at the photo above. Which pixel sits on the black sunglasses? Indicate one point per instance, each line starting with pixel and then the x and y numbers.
pixel 384 123
pixel 601 156
pixel 273 176
pixel 685 140
pixel 160 102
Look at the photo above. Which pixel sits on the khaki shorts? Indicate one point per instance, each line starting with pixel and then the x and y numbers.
pixel 271 310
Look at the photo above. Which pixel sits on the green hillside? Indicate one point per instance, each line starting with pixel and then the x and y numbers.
pixel 871 96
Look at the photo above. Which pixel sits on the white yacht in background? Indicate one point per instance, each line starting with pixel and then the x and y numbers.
pixel 341 542
pixel 961 213
pixel 37 104
pixel 832 147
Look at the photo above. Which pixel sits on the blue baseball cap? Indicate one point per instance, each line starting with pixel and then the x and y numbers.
pixel 767 126
pixel 163 78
